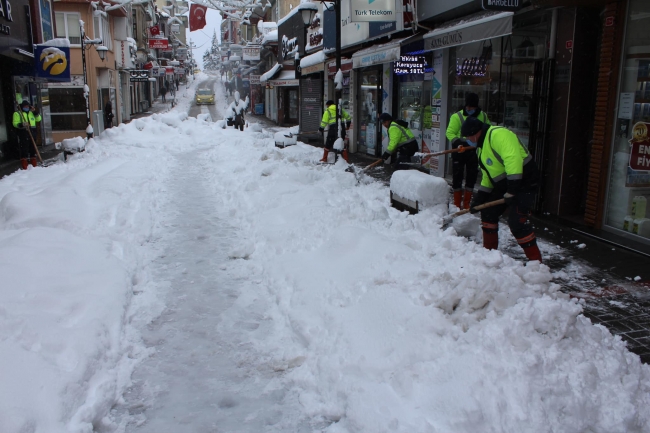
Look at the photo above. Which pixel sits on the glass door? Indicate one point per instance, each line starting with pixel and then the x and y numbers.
pixel 369 91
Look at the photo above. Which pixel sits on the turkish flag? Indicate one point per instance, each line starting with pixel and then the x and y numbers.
pixel 197 17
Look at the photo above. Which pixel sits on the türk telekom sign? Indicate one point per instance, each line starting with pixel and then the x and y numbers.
pixel 371 11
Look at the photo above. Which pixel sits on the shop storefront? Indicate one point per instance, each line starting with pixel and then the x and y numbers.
pixel 311 99
pixel 373 76
pixel 628 192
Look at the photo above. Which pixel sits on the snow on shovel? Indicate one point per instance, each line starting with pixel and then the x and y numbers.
pixel 449 218
pixel 357 173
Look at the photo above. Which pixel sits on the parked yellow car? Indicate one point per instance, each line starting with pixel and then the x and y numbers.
pixel 204 96
pixel 197 71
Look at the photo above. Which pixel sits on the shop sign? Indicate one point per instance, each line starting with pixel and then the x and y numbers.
pixel 179 71
pixel 376 10
pixel 254 79
pixel 139 75
pixel 285 82
pixel 148 65
pixel 346 67
pixel 154 31
pixel 638 173
pixel 159 44
pixel 569 44
pixel 181 53
pixel 379 28
pixel 609 21
pixel 453 36
pixel 251 53
pixel 176 28
pixel 123 58
pixel 161 72
pixel 502 5
pixel 312 69
pixel 15 15
pixel 409 65
pixel 169 70
pixel 46 19
pixel 376 57
pixel 52 63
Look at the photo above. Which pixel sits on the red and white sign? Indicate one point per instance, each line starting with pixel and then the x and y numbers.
pixel 154 31
pixel 148 65
pixel 640 147
pixel 169 70
pixel 346 66
pixel 609 21
pixel 569 44
pixel 159 44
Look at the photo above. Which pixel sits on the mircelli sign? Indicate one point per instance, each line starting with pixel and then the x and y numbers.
pixel 502 5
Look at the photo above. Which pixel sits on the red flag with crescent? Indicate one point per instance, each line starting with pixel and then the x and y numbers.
pixel 197 17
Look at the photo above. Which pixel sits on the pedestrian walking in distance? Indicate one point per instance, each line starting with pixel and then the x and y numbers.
pixel 402 144
pixel 163 92
pixel 464 163
pixel 329 121
pixel 509 172
pixel 108 115
pixel 24 122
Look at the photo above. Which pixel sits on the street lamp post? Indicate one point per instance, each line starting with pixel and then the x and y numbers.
pixel 101 50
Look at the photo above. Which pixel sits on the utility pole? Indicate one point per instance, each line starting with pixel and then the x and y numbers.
pixel 339 102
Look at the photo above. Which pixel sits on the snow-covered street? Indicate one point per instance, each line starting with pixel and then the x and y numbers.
pixel 180 277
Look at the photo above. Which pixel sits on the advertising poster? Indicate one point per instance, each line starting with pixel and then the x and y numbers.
pixel 638 170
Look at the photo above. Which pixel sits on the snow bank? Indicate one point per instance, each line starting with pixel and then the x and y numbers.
pixel 73 145
pixel 417 186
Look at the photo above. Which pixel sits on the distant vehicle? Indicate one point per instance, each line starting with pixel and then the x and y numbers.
pixel 204 96
pixel 197 71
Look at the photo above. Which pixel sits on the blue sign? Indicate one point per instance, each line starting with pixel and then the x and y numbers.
pixel 52 63
pixel 381 27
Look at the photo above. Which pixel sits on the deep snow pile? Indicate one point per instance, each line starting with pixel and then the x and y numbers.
pixel 378 320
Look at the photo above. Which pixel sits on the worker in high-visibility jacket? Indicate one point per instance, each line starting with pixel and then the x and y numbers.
pixel 464 163
pixel 402 144
pixel 24 121
pixel 329 121
pixel 508 172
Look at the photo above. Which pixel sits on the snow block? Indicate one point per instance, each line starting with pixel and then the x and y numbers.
pixel 414 185
pixel 282 140
pixel 73 145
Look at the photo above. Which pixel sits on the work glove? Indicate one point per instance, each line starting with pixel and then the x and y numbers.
pixel 509 198
pixel 385 156
pixel 462 148
pixel 479 198
pixel 321 130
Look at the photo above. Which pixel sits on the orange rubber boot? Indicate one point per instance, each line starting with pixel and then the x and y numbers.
pixel 467 199
pixel 458 197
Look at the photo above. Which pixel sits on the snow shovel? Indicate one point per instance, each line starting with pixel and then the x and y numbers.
pixel 357 173
pixel 449 218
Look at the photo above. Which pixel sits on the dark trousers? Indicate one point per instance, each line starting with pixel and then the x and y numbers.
pixel 518 215
pixel 466 162
pixel 25 145
pixel 332 135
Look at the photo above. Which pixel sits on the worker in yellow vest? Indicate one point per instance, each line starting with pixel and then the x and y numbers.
pixel 24 121
pixel 329 121
pixel 464 163
pixel 508 172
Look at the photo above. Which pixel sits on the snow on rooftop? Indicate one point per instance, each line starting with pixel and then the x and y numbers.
pixel 57 42
pixel 270 37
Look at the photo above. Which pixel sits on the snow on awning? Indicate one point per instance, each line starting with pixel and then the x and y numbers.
pixel 313 59
pixel 377 54
pixel 477 27
pixel 270 38
pixel 270 73
pixel 286 78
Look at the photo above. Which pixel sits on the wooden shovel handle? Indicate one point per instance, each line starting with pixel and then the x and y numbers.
pixel 479 207
pixel 374 164
pixel 444 152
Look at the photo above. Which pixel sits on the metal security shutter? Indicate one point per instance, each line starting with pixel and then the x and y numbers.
pixel 311 103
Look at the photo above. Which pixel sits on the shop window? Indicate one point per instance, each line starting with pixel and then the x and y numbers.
pixel 103 31
pixel 629 182
pixel 67 26
pixel 67 108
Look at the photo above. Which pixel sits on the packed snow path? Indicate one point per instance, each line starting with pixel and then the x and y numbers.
pixel 197 381
pixel 196 279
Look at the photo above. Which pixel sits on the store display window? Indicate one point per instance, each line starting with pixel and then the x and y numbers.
pixel 368 111
pixel 629 181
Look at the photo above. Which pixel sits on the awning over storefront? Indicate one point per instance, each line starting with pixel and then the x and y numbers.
pixel 377 54
pixel 271 73
pixel 286 78
pixel 477 27
pixel 313 63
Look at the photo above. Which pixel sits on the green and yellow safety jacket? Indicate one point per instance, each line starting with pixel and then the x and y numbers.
pixel 456 121
pixel 329 116
pixel 397 135
pixel 506 164
pixel 21 117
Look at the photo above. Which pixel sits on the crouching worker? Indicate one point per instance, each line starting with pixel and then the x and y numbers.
pixel 508 172
pixel 402 144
